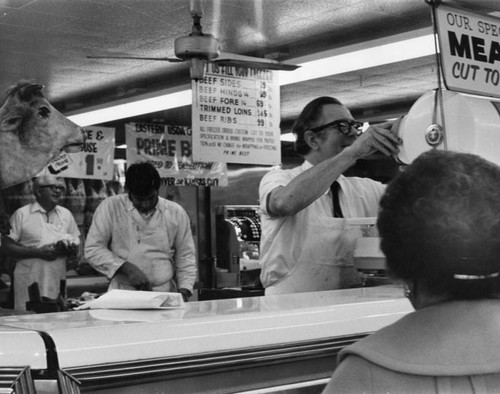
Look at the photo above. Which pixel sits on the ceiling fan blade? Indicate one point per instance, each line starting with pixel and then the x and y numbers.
pixel 165 59
pixel 234 60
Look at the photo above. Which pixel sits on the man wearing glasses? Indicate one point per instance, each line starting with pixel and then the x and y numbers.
pixel 43 235
pixel 305 243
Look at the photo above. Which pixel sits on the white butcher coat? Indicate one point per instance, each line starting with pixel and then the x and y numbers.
pixel 161 246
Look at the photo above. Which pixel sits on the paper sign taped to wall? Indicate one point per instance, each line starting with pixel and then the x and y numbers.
pixel 169 149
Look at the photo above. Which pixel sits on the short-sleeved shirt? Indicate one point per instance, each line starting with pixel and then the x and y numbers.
pixel 32 226
pixel 282 239
pixel 28 225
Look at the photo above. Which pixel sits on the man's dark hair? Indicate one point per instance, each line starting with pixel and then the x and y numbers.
pixel 142 178
pixel 307 119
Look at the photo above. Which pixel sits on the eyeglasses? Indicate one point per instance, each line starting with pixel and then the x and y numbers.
pixel 54 188
pixel 344 126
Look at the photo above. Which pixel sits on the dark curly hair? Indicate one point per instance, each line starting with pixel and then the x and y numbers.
pixel 142 178
pixel 307 119
pixel 439 224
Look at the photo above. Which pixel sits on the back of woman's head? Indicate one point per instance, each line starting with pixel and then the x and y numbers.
pixel 439 224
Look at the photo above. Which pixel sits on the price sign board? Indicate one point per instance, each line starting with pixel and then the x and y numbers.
pixel 469 50
pixel 94 161
pixel 169 149
pixel 236 116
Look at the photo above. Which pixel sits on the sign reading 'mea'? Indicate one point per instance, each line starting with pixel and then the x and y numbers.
pixel 470 51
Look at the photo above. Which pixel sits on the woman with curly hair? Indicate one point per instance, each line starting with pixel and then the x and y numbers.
pixel 439 225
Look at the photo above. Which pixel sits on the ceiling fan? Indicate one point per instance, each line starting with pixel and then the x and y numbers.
pixel 199 48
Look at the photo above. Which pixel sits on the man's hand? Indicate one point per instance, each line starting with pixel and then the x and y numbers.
pixel 186 294
pixel 135 276
pixel 66 248
pixel 378 138
pixel 47 252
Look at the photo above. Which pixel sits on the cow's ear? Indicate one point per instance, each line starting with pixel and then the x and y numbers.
pixel 10 123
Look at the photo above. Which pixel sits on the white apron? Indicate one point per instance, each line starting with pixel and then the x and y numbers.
pixel 48 274
pixel 325 261
pixel 150 252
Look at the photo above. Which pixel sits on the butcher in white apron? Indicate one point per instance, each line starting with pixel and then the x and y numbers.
pixel 149 251
pixel 306 244
pixel 43 235
pixel 141 241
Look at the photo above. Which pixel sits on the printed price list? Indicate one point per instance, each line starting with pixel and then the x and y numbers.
pixel 236 116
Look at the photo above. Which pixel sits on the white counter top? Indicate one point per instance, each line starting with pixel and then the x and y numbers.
pixel 105 336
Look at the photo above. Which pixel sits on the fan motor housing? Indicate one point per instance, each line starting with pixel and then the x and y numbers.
pixel 205 46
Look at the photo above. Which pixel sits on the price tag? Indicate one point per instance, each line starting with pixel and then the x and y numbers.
pixel 94 161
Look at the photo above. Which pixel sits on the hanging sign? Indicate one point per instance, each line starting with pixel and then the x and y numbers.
pixel 94 161
pixel 469 51
pixel 169 149
pixel 236 116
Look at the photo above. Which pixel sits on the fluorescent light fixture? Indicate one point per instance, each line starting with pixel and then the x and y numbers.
pixel 141 105
pixel 351 59
pixel 392 49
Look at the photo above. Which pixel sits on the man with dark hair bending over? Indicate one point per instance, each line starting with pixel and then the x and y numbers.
pixel 142 241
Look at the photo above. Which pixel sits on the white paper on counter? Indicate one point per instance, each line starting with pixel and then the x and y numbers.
pixel 135 299
pixel 137 315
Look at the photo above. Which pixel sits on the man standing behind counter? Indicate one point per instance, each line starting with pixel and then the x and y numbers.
pixel 142 241
pixel 305 244
pixel 43 236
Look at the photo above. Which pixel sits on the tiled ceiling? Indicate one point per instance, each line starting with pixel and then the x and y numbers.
pixel 49 41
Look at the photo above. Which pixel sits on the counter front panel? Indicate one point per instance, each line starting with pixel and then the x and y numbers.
pixel 265 341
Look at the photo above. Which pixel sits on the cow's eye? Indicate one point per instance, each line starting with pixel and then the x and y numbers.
pixel 44 112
